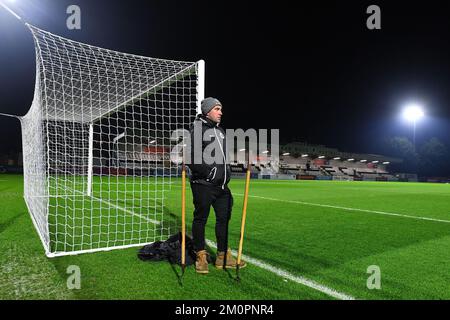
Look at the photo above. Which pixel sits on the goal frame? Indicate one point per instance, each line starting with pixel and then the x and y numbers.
pixel 198 68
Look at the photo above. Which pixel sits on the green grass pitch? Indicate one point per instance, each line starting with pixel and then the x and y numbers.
pixel 322 232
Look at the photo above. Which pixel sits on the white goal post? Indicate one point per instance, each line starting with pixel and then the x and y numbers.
pixel 96 144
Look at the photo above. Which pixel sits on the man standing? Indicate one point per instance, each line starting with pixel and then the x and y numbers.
pixel 209 178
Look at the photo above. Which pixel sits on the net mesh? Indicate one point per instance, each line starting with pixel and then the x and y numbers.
pixel 97 142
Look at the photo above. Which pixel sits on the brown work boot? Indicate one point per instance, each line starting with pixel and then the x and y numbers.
pixel 231 262
pixel 201 264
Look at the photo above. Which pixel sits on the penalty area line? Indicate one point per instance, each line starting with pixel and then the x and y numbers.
pixel 123 209
pixel 287 275
pixel 127 211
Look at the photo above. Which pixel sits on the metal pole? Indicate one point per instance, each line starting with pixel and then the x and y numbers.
pixel 10 115
pixel 90 159
pixel 117 158
pixel 10 11
pixel 183 218
pixel 200 84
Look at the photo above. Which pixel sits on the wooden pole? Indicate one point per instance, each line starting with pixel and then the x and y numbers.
pixel 244 215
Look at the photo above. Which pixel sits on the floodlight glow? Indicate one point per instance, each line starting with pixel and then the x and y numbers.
pixel 267 151
pixel 242 149
pixel 386 162
pixel 413 112
pixel 337 158
pixel 9 9
pixel 363 160
pixel 321 157
pixel 376 161
pixel 304 155
pixel 351 159
pixel 286 154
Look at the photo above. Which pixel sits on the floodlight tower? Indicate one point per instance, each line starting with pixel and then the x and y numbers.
pixel 413 113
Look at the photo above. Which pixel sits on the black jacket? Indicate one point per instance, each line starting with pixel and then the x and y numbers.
pixel 217 173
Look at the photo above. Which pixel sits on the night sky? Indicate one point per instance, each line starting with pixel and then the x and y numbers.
pixel 314 71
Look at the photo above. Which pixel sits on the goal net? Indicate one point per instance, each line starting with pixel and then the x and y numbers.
pixel 97 142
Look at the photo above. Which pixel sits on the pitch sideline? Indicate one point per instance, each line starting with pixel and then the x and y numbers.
pixel 347 208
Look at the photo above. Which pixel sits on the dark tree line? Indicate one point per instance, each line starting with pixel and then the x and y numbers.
pixel 430 158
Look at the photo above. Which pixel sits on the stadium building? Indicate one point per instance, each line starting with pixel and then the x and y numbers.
pixel 303 161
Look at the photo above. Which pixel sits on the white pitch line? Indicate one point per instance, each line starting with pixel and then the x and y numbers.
pixel 349 209
pixel 127 211
pixel 280 272
pixel 124 210
pixel 287 275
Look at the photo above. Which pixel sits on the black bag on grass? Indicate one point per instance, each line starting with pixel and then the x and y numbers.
pixel 168 250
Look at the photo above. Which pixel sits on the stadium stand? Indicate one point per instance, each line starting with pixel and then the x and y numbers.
pixel 306 161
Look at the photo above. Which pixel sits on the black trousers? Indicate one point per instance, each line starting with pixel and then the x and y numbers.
pixel 222 201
